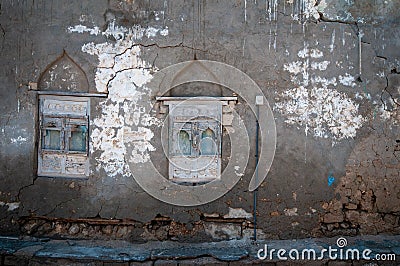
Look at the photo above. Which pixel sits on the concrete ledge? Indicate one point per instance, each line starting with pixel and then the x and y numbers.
pixel 14 251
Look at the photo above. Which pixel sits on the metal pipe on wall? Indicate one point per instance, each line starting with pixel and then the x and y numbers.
pixel 259 101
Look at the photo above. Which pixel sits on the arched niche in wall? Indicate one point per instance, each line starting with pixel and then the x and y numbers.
pixel 198 88
pixel 64 111
pixel 193 89
pixel 197 112
pixel 63 75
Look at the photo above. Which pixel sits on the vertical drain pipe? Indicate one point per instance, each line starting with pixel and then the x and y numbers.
pixel 259 101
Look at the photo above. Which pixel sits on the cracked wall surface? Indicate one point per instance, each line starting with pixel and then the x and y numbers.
pixel 329 69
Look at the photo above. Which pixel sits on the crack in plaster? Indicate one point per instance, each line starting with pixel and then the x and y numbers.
pixel 24 187
pixel 57 206
pixel 123 74
pixel 391 95
pixel 301 10
pixel 385 113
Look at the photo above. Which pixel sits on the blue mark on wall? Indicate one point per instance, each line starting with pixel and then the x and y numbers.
pixel 331 179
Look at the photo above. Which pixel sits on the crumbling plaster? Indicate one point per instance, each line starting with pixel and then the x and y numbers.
pixel 303 54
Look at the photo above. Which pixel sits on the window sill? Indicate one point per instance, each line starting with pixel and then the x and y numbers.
pixel 78 94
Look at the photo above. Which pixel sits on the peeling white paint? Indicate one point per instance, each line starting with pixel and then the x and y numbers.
pixel 245 10
pixel 141 140
pixel 11 205
pixel 320 65
pixel 303 53
pixel 86 18
pixel 158 13
pixel 271 8
pixel 290 212
pixel 393 115
pixel 211 215
pixel 384 114
pixel 237 172
pixel 119 32
pixel 83 29
pixel 322 81
pixel 164 32
pixel 304 9
pixel 19 140
pixel 381 74
pixel 238 213
pixel 315 53
pixel 314 103
pixel 294 67
pixel 311 9
pixel 123 74
pixel 136 32
pixel 327 112
pixel 332 45
pixel 347 80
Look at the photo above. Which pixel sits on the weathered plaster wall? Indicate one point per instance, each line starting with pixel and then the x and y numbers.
pixel 336 167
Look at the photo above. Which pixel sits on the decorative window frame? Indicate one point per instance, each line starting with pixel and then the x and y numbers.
pixel 69 116
pixel 194 116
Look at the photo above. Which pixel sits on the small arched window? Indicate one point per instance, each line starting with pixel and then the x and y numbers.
pixel 63 148
pixel 208 145
pixel 184 144
pixel 194 139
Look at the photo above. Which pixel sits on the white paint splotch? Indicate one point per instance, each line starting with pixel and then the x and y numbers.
pixel 237 171
pixel 238 213
pixel 314 103
pixel 347 80
pixel 290 211
pixel 320 65
pixel 304 9
pixel 18 140
pixel 324 112
pixel 11 206
pixel 82 29
pixel 124 114
pixel 300 10
pixel 388 109
pixel 118 32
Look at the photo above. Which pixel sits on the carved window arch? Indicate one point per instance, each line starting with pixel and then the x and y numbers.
pixel 64 101
pixel 195 137
pixel 208 142
pixel 184 142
